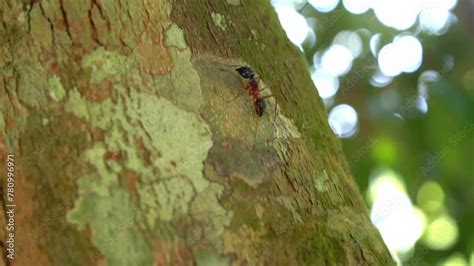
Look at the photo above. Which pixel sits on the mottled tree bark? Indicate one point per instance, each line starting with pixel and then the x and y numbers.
pixel 128 152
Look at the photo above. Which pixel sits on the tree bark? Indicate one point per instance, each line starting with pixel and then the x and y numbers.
pixel 129 152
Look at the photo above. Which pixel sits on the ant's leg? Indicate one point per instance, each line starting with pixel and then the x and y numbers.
pixel 235 97
pixel 276 103
pixel 233 66
pixel 258 79
pixel 260 90
pixel 266 96
pixel 246 87
pixel 256 131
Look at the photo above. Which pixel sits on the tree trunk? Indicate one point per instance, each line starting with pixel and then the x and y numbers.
pixel 130 148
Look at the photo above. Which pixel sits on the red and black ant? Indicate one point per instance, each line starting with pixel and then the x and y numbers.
pixel 253 89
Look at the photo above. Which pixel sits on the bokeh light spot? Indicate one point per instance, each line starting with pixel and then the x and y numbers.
pixel 382 181
pixel 468 80
pixel 326 84
pixel 293 23
pixel 411 50
pixel 324 5
pixel 389 60
pixel 435 16
pixel 351 40
pixel 430 196
pixel 400 14
pixel 337 60
pixel 392 212
pixel 441 233
pixel 434 20
pixel 356 6
pixel 404 54
pixel 379 80
pixel 375 44
pixel 456 259
pixel 343 121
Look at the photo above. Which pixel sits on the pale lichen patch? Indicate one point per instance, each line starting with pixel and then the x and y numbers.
pixel 182 85
pixel 180 136
pixel 162 139
pixel 148 204
pixel 259 210
pixel 113 221
pixel 320 182
pixel 31 81
pixel 288 204
pixel 233 2
pixel 175 37
pixel 178 142
pixel 220 21
pixel 105 107
pixel 206 208
pixel 105 64
pixel 57 91
pixel 76 104
pixel 285 128
pixel 100 182
pixel 173 196
pixel 255 40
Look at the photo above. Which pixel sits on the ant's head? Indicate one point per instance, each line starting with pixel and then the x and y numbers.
pixel 246 72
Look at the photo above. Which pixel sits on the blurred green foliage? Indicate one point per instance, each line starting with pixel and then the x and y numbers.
pixel 433 150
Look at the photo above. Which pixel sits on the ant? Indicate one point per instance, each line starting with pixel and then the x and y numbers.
pixel 253 89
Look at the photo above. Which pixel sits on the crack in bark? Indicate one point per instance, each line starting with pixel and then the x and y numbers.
pixel 28 14
pixel 359 247
pixel 94 28
pixel 127 10
pixel 288 178
pixel 99 7
pixel 8 93
pixel 147 12
pixel 212 32
pixel 66 21
pixel 122 25
pixel 51 25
